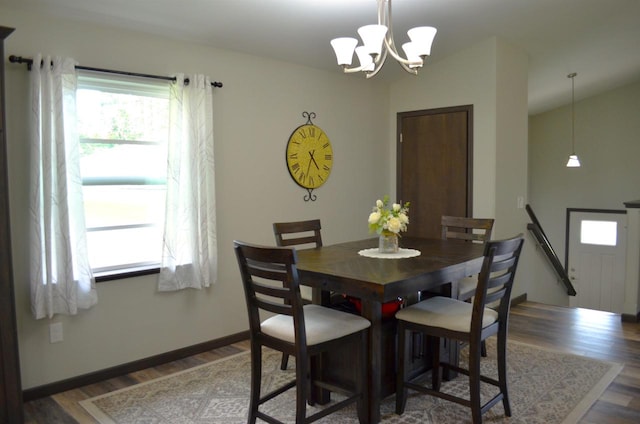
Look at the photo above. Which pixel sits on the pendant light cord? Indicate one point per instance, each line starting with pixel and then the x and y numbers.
pixel 573 115
pixel 573 119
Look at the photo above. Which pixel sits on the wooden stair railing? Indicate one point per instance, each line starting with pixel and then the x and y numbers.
pixel 543 241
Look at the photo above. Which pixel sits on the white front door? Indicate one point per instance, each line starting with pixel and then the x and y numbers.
pixel 597 259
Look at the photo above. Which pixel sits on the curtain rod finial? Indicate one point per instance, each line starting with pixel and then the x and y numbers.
pixel 19 59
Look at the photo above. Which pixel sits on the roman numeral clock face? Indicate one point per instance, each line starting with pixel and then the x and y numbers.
pixel 309 156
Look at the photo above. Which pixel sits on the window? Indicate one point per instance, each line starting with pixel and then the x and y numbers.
pixel 601 233
pixel 123 126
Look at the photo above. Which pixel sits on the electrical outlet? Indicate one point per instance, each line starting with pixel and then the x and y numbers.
pixel 55 332
pixel 520 202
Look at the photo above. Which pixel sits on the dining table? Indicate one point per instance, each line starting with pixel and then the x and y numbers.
pixel 348 268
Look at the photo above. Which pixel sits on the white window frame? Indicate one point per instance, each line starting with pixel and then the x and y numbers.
pixel 135 86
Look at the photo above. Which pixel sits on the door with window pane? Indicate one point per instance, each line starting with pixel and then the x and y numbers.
pixel 597 259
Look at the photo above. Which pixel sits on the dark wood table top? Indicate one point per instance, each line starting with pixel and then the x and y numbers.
pixel 340 268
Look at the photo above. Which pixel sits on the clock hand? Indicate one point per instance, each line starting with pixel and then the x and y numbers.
pixel 313 159
pixel 309 165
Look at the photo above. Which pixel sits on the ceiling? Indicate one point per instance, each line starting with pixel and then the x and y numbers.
pixel 598 39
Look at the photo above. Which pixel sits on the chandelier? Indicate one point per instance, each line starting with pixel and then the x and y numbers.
pixel 378 42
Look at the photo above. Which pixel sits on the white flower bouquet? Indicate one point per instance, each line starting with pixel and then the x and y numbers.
pixel 385 220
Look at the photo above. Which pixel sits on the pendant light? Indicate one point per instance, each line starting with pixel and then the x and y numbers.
pixel 573 161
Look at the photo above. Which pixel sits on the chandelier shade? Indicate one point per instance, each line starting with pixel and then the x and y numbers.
pixel 422 38
pixel 372 37
pixel 411 52
pixel 377 42
pixel 366 62
pixel 344 47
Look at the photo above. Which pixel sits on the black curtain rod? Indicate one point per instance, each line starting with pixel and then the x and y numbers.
pixel 29 62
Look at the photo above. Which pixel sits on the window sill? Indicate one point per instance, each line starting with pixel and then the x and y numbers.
pixel 121 274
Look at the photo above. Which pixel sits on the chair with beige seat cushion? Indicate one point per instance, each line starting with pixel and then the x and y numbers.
pixel 272 287
pixel 446 318
pixel 473 230
pixel 299 234
pixel 476 230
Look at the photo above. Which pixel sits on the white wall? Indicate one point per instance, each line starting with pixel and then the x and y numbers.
pixel 511 156
pixel 606 140
pixel 492 76
pixel 254 113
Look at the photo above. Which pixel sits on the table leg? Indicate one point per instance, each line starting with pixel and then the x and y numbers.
pixel 320 297
pixel 372 311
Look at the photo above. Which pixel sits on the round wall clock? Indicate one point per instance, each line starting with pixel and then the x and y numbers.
pixel 309 156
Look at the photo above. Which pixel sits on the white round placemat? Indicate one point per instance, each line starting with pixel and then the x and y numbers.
pixel 401 254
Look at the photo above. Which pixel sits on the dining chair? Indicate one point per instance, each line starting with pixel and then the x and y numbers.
pixel 476 230
pixel 299 234
pixel 473 230
pixel 304 331
pixel 447 318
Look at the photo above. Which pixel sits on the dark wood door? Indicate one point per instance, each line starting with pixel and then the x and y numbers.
pixel 10 387
pixel 434 166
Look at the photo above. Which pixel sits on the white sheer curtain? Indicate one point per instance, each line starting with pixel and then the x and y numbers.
pixel 61 278
pixel 189 256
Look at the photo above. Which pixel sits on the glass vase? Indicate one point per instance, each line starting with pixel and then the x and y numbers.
pixel 388 243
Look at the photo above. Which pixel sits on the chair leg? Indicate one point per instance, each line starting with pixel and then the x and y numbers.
pixel 256 378
pixel 401 391
pixel 284 361
pixel 361 375
pixel 302 388
pixel 474 383
pixel 502 372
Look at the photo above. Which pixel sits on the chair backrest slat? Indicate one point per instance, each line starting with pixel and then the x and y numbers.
pixel 271 291
pixel 469 229
pixel 273 307
pixel 298 233
pixel 267 270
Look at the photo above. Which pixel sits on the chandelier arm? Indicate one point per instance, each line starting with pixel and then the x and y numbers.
pixel 391 48
pixel 352 70
pixel 388 39
pixel 377 64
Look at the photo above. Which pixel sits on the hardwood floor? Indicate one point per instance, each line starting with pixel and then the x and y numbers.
pixel 596 334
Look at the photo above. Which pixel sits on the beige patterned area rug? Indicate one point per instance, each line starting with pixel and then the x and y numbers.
pixel 545 387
